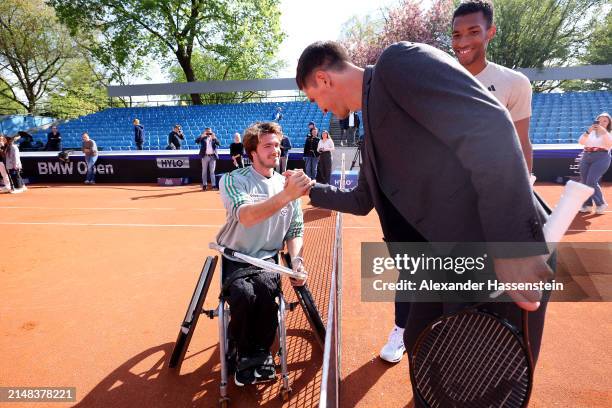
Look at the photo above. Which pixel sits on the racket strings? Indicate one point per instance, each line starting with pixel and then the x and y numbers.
pixel 471 359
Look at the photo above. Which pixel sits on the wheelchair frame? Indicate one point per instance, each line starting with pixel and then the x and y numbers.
pixel 195 308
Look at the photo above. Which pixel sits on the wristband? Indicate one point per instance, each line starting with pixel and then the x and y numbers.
pixel 297 257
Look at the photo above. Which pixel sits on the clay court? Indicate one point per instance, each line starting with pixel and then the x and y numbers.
pixel 96 280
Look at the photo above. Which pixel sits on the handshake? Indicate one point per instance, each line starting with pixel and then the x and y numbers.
pixel 297 183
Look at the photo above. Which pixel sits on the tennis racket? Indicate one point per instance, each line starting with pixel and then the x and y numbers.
pixel 473 358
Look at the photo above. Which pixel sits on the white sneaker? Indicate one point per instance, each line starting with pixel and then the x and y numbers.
pixel 17 190
pixel 601 209
pixel 394 349
pixel 5 190
pixel 585 209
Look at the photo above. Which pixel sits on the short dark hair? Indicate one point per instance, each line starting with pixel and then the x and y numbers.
pixel 252 134
pixel 320 55
pixel 475 6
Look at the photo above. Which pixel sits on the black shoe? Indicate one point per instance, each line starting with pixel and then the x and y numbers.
pixel 267 370
pixel 244 377
pixel 204 188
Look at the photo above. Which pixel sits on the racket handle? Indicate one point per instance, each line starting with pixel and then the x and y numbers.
pixel 224 250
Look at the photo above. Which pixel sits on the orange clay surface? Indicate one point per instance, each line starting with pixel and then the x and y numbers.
pixel 95 281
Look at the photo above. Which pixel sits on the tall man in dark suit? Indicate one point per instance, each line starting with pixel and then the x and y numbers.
pixel 208 154
pixel 54 140
pixel 430 166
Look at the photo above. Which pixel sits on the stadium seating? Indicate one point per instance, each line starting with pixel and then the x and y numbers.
pixel 112 129
pixel 11 124
pixel 557 118
pixel 563 117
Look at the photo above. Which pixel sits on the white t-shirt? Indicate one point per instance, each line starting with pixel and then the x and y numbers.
pixel 594 140
pixel 325 145
pixel 209 148
pixel 510 87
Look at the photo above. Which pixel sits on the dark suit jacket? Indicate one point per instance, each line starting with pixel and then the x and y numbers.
pixel 202 141
pixel 138 134
pixel 441 151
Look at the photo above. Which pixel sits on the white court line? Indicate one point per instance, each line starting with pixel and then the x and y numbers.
pixel 86 224
pixel 110 208
pixel 91 224
pixel 78 224
pixel 360 227
pixel 590 230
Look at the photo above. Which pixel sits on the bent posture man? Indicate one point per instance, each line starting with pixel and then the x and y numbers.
pixel 430 166
pixel 262 213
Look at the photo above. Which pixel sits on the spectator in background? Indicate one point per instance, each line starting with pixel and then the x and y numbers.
pixel 278 116
pixel 54 140
pixel 310 126
pixel 13 164
pixel 325 147
pixel 311 155
pixel 237 151
pixel 175 137
pixel 90 150
pixel 344 125
pixel 138 134
pixel 6 188
pixel 353 128
pixel 595 161
pixel 208 153
pixel 285 146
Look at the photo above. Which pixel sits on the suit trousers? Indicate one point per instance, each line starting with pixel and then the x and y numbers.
pixel 209 163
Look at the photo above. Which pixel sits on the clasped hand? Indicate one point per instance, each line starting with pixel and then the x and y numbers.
pixel 297 183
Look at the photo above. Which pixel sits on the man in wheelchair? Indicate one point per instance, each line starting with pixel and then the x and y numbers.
pixel 263 212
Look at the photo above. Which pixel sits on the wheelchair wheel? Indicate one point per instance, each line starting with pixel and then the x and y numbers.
pixel 193 313
pixel 309 306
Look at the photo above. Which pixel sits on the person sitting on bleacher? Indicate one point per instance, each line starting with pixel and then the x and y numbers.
pixel 263 211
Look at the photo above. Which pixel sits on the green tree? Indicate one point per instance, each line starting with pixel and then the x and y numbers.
pixel 165 28
pixel 81 91
pixel 543 33
pixel 33 49
pixel 9 106
pixel 598 52
pixel 209 68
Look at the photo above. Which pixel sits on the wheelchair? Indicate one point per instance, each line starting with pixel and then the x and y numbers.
pixel 222 312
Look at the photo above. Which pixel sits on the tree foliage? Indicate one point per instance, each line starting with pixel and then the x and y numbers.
pixel 539 33
pixel 233 32
pixel 33 50
pixel 81 91
pixel 365 39
pixel 598 52
pixel 209 68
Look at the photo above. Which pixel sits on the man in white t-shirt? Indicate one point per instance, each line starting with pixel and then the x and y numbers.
pixel 472 30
